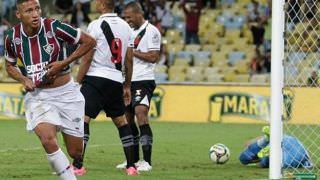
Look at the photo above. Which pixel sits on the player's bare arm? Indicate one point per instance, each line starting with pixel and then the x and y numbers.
pixel 86 43
pixel 14 73
pixel 85 65
pixel 128 75
pixel 150 56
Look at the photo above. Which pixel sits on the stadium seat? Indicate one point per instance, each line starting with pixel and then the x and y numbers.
pixel 215 78
pixel 242 78
pixel 202 55
pixel 161 77
pixel 211 70
pixel 205 62
pixel 232 35
pixel 177 69
pixel 177 77
pixel 259 78
pixel 210 47
pixel 229 77
pixel 161 69
pixel 235 56
pixel 218 57
pixel 242 67
pixel 182 62
pixel 174 48
pixel 185 54
pixel 192 47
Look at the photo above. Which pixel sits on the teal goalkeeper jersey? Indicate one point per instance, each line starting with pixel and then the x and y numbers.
pixel 35 52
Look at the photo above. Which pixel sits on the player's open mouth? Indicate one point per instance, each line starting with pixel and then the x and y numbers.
pixel 35 22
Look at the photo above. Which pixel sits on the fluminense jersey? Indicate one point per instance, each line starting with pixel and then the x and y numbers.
pixel 32 54
pixel 113 36
pixel 147 38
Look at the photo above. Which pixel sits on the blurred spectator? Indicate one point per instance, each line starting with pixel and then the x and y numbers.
pixel 164 55
pixel 212 3
pixel 3 28
pixel 85 7
pixel 119 7
pixel 63 6
pixel 256 63
pixel 192 21
pixel 154 21
pixel 313 80
pixel 164 14
pixel 257 30
pixel 255 11
pixel 79 18
pixel 148 8
pixel 293 11
pixel 309 9
pixel 266 65
pixel 7 7
pixel 267 35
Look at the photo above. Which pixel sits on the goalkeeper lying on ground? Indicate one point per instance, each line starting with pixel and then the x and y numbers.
pixel 294 153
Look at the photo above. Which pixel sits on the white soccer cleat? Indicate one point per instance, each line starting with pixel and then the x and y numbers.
pixel 142 165
pixel 122 165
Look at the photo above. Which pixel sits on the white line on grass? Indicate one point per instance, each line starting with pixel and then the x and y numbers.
pixel 39 148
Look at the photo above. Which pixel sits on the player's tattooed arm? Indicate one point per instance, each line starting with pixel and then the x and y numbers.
pixel 152 56
pixel 128 74
pixel 14 73
pixel 86 43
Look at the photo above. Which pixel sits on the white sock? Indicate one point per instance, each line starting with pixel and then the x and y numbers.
pixel 61 165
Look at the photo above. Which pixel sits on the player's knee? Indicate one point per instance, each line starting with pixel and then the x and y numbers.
pixel 142 117
pixel 49 143
pixel 119 121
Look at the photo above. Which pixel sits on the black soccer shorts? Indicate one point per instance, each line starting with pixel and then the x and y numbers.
pixel 102 94
pixel 141 93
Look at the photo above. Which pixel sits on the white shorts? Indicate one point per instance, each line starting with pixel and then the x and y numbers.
pixel 62 106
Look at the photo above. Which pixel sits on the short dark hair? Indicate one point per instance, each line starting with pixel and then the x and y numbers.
pixel 135 6
pixel 21 1
pixel 109 4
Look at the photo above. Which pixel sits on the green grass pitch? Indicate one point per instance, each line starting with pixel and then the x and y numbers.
pixel 180 151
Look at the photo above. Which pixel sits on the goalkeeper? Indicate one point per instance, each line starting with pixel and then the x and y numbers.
pixel 294 153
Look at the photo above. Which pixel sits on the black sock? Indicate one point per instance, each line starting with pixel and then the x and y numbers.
pixel 135 133
pixel 146 139
pixel 126 137
pixel 78 163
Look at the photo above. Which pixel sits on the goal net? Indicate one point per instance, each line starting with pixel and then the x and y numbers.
pixel 301 103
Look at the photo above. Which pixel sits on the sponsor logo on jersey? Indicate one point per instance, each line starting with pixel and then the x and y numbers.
pixel 252 106
pixel 48 48
pixel 17 41
pixel 49 34
pixel 155 38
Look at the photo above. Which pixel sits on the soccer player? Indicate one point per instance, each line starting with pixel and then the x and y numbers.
pixel 53 101
pixel 294 153
pixel 146 53
pixel 102 80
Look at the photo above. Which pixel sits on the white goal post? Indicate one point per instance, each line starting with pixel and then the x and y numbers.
pixel 295 88
pixel 277 55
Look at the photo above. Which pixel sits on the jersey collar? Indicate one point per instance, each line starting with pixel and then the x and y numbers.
pixel 41 25
pixel 146 22
pixel 108 15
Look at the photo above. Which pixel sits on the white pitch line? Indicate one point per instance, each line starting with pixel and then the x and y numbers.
pixel 39 148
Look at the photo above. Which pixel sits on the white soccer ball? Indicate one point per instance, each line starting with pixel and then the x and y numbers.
pixel 219 153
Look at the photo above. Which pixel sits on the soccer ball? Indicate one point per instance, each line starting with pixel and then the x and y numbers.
pixel 219 153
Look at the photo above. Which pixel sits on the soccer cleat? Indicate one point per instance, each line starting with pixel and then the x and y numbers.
pixel 143 166
pixel 79 172
pixel 131 171
pixel 122 165
pixel 264 152
pixel 266 131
